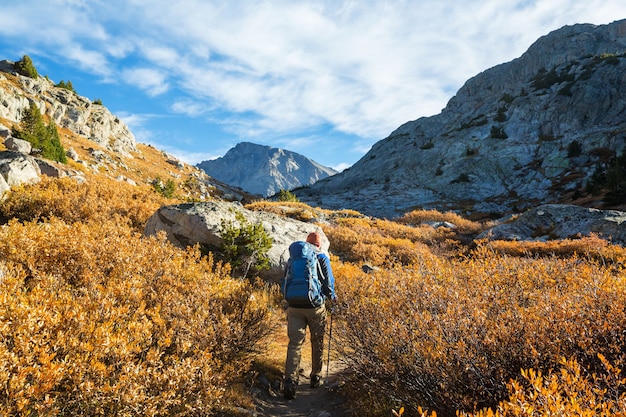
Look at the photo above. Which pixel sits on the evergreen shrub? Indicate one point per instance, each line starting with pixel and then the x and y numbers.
pixel 26 67
pixel 43 137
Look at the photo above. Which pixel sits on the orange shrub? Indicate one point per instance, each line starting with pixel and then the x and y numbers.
pixel 448 334
pixel 380 242
pixel 418 217
pixel 590 246
pixel 97 320
pixel 570 392
pixel 301 211
pixel 294 210
pixel 78 202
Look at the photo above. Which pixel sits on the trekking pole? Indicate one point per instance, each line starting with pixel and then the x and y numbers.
pixel 330 336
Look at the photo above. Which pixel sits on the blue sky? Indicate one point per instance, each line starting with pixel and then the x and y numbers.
pixel 325 78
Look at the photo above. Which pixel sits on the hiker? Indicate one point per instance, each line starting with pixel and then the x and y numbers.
pixel 308 282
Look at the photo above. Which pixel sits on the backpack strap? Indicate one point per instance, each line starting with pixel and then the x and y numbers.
pixel 320 270
pixel 285 278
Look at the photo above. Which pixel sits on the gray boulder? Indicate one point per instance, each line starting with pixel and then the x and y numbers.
pixel 17 168
pixel 4 187
pixel 50 169
pixel 72 154
pixel 561 221
pixel 5 132
pixel 188 224
pixel 18 145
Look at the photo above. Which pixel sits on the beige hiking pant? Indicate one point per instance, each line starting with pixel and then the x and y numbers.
pixel 297 321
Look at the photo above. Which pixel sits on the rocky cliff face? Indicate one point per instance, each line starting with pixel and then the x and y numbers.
pixel 530 131
pixel 264 170
pixel 66 108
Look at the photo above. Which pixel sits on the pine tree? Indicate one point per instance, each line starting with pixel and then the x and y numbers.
pixel 245 245
pixel 52 147
pixel 26 67
pixel 66 85
pixel 32 127
pixel 41 136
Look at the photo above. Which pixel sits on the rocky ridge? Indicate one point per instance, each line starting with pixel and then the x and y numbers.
pixel 505 141
pixel 66 108
pixel 264 170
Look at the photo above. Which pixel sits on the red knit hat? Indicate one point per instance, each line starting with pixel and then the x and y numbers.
pixel 314 239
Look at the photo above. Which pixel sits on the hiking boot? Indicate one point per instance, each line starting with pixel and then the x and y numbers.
pixel 316 381
pixel 290 389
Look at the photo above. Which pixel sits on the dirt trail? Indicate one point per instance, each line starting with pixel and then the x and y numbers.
pixel 324 401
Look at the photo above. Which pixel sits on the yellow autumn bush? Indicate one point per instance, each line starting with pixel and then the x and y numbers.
pixel 291 209
pixel 448 334
pixel 589 246
pixel 98 321
pixel 72 201
pixel 300 211
pixel 417 217
pixel 384 242
pixel 568 391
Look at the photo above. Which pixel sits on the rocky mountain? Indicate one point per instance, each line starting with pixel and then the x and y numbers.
pixel 543 128
pixel 264 170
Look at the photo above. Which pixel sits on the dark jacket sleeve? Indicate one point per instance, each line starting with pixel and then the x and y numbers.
pixel 326 276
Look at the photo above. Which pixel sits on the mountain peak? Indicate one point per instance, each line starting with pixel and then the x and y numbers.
pixel 264 170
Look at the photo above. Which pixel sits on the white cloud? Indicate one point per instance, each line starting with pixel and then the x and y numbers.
pixel 152 81
pixel 132 120
pixel 341 167
pixel 189 107
pixel 364 69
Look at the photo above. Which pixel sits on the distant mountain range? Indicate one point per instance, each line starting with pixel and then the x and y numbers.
pixel 264 170
pixel 547 127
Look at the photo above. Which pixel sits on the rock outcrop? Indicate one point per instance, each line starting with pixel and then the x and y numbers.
pixel 188 224
pixel 66 108
pixel 17 168
pixel 264 170
pixel 18 145
pixel 561 221
pixel 524 133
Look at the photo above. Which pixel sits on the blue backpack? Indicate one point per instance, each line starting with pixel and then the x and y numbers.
pixel 300 285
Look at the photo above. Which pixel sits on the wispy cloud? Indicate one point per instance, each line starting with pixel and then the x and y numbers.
pixel 151 80
pixel 193 108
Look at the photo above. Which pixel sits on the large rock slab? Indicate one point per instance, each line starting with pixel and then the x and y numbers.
pixel 17 168
pixel 17 145
pixel 561 221
pixel 188 224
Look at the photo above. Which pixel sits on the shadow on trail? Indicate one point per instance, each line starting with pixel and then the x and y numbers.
pixel 324 401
